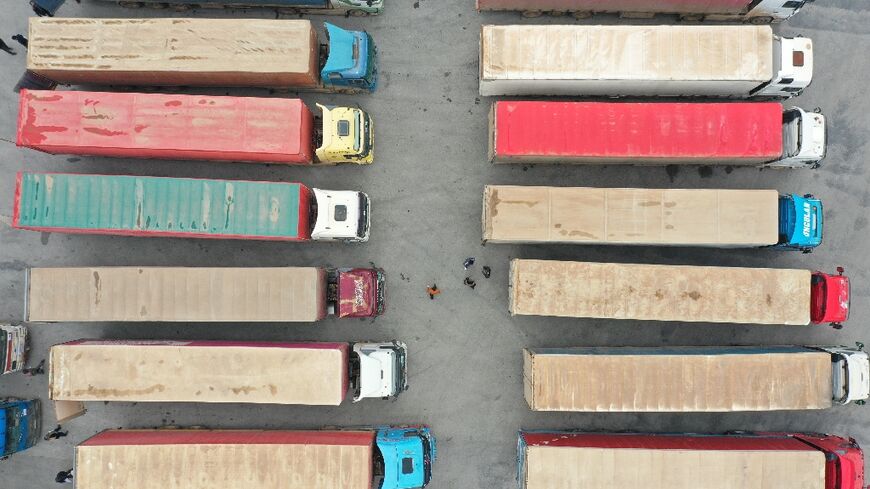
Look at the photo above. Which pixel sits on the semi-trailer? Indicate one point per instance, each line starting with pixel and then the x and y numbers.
pixel 169 52
pixel 127 205
pixel 193 127
pixel 643 60
pixel 311 374
pixel 694 379
pixel 356 8
pixel 13 347
pixel 377 457
pixel 740 460
pixel 20 425
pixel 752 11
pixel 187 294
pixel 655 217
pixel 677 293
pixel 762 134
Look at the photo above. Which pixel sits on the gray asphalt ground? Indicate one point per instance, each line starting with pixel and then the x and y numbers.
pixel 426 184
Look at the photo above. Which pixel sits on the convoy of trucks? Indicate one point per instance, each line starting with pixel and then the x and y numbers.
pixel 677 293
pixel 643 60
pixel 378 457
pixel 356 8
pixel 20 425
pixel 596 133
pixel 752 11
pixel 240 52
pixel 657 217
pixel 126 205
pixel 187 294
pixel 694 379
pixel 571 459
pixel 193 127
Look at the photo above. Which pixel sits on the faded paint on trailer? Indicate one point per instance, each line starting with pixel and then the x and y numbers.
pixel 143 125
pixel 157 206
pixel 639 133
pixel 640 6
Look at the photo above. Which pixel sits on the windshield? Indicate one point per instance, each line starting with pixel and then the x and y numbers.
pixel 840 372
pixel 791 133
pixel 357 125
pixel 818 298
pixel 363 227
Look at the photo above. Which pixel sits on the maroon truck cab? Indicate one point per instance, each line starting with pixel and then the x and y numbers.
pixel 829 298
pixel 360 293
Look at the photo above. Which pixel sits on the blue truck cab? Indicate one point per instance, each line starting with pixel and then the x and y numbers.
pixel 351 62
pixel 407 455
pixel 21 423
pixel 800 222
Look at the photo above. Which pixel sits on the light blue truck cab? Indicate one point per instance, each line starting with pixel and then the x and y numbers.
pixel 21 423
pixel 407 454
pixel 800 222
pixel 339 7
pixel 351 62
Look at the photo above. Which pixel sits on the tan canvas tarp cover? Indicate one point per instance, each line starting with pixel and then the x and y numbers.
pixel 269 464
pixel 721 218
pixel 599 468
pixel 176 294
pixel 676 379
pixel 659 292
pixel 195 52
pixel 179 371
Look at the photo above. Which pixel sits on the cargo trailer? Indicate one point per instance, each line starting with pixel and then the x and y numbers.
pixel 643 60
pixel 694 379
pixel 241 52
pixel 20 425
pixel 752 11
pixel 677 293
pixel 126 205
pixel 654 217
pixel 356 8
pixel 193 127
pixel 739 460
pixel 13 347
pixel 378 457
pixel 187 294
pixel 603 133
pixel 312 374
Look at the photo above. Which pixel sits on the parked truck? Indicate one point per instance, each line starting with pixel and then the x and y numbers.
pixel 13 348
pixel 740 460
pixel 312 374
pixel 380 457
pixel 240 52
pixel 126 205
pixel 677 293
pixel 20 425
pixel 596 133
pixel 193 127
pixel 643 60
pixel 187 294
pixel 752 11
pixel 694 379
pixel 356 8
pixel 655 217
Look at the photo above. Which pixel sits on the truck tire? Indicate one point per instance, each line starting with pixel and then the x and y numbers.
pixel 531 14
pixel 359 13
pixel 763 20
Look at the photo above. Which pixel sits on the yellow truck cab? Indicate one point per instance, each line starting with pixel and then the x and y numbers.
pixel 348 136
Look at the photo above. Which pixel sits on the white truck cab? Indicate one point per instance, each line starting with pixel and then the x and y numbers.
pixel 792 68
pixel 382 371
pixel 767 11
pixel 804 139
pixel 851 374
pixel 341 215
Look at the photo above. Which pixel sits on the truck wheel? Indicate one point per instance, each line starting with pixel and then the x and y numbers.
pixel 763 20
pixel 359 13
pixel 531 14
pixel 837 326
pixel 581 14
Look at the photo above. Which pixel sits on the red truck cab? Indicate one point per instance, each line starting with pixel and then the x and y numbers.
pixel 844 460
pixel 829 298
pixel 360 293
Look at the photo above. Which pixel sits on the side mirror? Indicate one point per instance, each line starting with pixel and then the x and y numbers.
pixel 840 270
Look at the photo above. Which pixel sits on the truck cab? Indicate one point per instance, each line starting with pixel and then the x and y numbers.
pixel 381 370
pixel 356 292
pixel 361 7
pixel 407 455
pixel 844 459
pixel 829 298
pixel 351 61
pixel 20 425
pixel 348 136
pixel 800 222
pixel 804 139
pixel 851 374
pixel 767 11
pixel 342 215
pixel 792 68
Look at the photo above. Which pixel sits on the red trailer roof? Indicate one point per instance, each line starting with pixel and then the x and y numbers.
pixel 146 125
pixel 658 6
pixel 242 437
pixel 614 131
